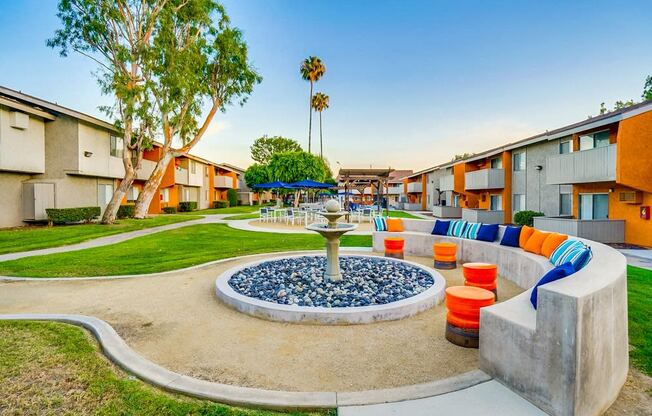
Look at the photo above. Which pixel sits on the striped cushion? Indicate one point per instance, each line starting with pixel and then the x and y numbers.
pixel 557 257
pixel 456 229
pixel 579 256
pixel 380 223
pixel 471 231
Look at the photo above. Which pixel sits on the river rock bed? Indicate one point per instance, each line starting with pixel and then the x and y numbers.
pixel 299 281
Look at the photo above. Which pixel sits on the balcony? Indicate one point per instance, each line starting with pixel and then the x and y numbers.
pixel 414 187
pixel 446 212
pixel 395 190
pixel 146 169
pixel 483 215
pixel 221 181
pixel 603 231
pixel 447 183
pixel 595 165
pixel 485 179
pixel 181 176
pixel 409 206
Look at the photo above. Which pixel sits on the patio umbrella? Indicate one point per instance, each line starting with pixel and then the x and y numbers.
pixel 273 185
pixel 308 184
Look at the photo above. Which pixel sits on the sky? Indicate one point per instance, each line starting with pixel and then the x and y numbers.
pixel 411 83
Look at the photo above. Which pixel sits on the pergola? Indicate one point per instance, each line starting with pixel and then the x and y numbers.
pixel 362 178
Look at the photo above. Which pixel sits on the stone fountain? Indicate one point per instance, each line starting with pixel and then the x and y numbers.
pixel 332 232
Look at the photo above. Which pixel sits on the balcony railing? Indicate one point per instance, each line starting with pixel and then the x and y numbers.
pixel 146 169
pixel 181 176
pixel 446 212
pixel 409 206
pixel 414 187
pixel 483 215
pixel 394 190
pixel 604 231
pixel 447 183
pixel 595 165
pixel 485 179
pixel 221 181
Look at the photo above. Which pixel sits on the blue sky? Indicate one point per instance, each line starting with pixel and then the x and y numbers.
pixel 411 82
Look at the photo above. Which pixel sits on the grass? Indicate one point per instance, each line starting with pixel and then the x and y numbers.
pixel 243 217
pixel 242 209
pixel 34 238
pixel 639 293
pixel 167 250
pixel 54 369
pixel 402 214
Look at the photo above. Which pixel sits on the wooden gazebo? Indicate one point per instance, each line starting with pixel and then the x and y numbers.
pixel 359 179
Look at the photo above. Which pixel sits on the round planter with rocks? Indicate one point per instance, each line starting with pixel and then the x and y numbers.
pixel 293 289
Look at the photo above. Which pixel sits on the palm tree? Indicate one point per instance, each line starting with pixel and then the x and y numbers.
pixel 320 103
pixel 312 69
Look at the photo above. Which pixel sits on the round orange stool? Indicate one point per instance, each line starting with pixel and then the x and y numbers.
pixel 482 275
pixel 463 317
pixel 445 255
pixel 394 247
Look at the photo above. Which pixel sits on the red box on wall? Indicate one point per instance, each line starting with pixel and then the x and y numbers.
pixel 645 212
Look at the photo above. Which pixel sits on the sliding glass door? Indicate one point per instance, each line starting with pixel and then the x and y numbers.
pixel 594 206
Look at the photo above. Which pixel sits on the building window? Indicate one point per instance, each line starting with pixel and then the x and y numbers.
pixel 594 140
pixel 496 163
pixel 206 171
pixel 495 203
pixel 565 147
pixel 116 146
pixel 456 200
pixel 133 193
pixel 193 167
pixel 565 204
pixel 519 161
pixel 428 199
pixel 519 202
pixel 594 206
pixel 165 195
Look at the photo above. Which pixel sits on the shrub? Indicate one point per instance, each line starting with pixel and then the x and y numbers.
pixel 254 202
pixel 526 217
pixel 170 210
pixel 126 211
pixel 220 204
pixel 232 196
pixel 187 206
pixel 69 215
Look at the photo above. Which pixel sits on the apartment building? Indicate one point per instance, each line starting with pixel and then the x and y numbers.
pixel 55 157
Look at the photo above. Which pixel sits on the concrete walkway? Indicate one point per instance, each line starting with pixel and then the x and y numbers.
pixel 246 226
pixel 489 398
pixel 638 258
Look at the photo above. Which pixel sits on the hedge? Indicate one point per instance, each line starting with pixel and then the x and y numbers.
pixel 126 211
pixel 232 196
pixel 187 206
pixel 170 210
pixel 220 204
pixel 526 217
pixel 69 215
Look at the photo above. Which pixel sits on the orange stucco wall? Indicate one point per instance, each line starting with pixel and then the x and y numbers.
pixel 634 152
pixel 481 199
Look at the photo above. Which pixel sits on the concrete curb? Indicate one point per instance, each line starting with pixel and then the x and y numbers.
pixel 245 226
pixel 117 350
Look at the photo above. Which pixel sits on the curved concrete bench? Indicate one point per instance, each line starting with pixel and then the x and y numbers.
pixel 568 357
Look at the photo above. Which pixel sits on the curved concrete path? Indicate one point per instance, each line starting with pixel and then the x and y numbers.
pixel 246 226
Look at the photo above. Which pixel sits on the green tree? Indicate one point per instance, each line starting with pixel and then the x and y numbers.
pixel 312 69
pixel 320 102
pixel 198 64
pixel 256 174
pixel 618 105
pixel 232 197
pixel 296 166
pixel 462 156
pixel 264 147
pixel 647 88
pixel 116 36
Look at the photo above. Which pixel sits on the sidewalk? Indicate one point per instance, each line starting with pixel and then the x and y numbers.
pixel 638 258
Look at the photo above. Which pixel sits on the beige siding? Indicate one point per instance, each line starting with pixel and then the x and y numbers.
pixel 100 162
pixel 11 209
pixel 22 150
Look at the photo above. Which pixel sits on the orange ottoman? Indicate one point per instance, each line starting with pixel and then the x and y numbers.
pixel 394 247
pixel 445 255
pixel 463 317
pixel 482 275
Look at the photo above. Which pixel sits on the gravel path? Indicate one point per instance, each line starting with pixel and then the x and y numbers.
pixel 175 321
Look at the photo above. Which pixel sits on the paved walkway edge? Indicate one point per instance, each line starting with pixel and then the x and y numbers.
pixel 117 350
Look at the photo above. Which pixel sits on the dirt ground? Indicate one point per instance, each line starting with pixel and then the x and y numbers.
pixel 176 321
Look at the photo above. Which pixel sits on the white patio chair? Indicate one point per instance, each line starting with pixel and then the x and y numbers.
pixel 263 215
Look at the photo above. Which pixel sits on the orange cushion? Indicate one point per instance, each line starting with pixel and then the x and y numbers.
pixel 551 243
pixel 535 242
pixel 394 225
pixel 526 233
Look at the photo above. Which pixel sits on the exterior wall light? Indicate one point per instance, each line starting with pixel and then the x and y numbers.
pixel 88 154
pixel 538 167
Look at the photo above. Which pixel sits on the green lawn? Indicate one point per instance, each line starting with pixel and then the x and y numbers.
pixel 639 293
pixel 402 214
pixel 54 369
pixel 168 250
pixel 242 209
pixel 243 217
pixel 33 238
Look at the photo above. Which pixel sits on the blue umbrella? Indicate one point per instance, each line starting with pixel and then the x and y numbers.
pixel 273 185
pixel 308 184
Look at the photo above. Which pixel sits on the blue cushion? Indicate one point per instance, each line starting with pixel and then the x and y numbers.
pixel 380 223
pixel 471 231
pixel 511 236
pixel 456 228
pixel 579 256
pixel 563 250
pixel 487 232
pixel 441 227
pixel 557 273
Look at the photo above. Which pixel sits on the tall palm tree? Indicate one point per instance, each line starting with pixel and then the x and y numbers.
pixel 312 69
pixel 320 103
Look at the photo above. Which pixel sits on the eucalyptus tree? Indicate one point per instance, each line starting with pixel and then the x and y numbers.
pixel 320 102
pixel 116 35
pixel 312 69
pixel 198 65
pixel 647 88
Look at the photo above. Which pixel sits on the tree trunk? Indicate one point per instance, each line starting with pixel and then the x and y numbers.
pixel 111 210
pixel 152 184
pixel 310 118
pixel 321 142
